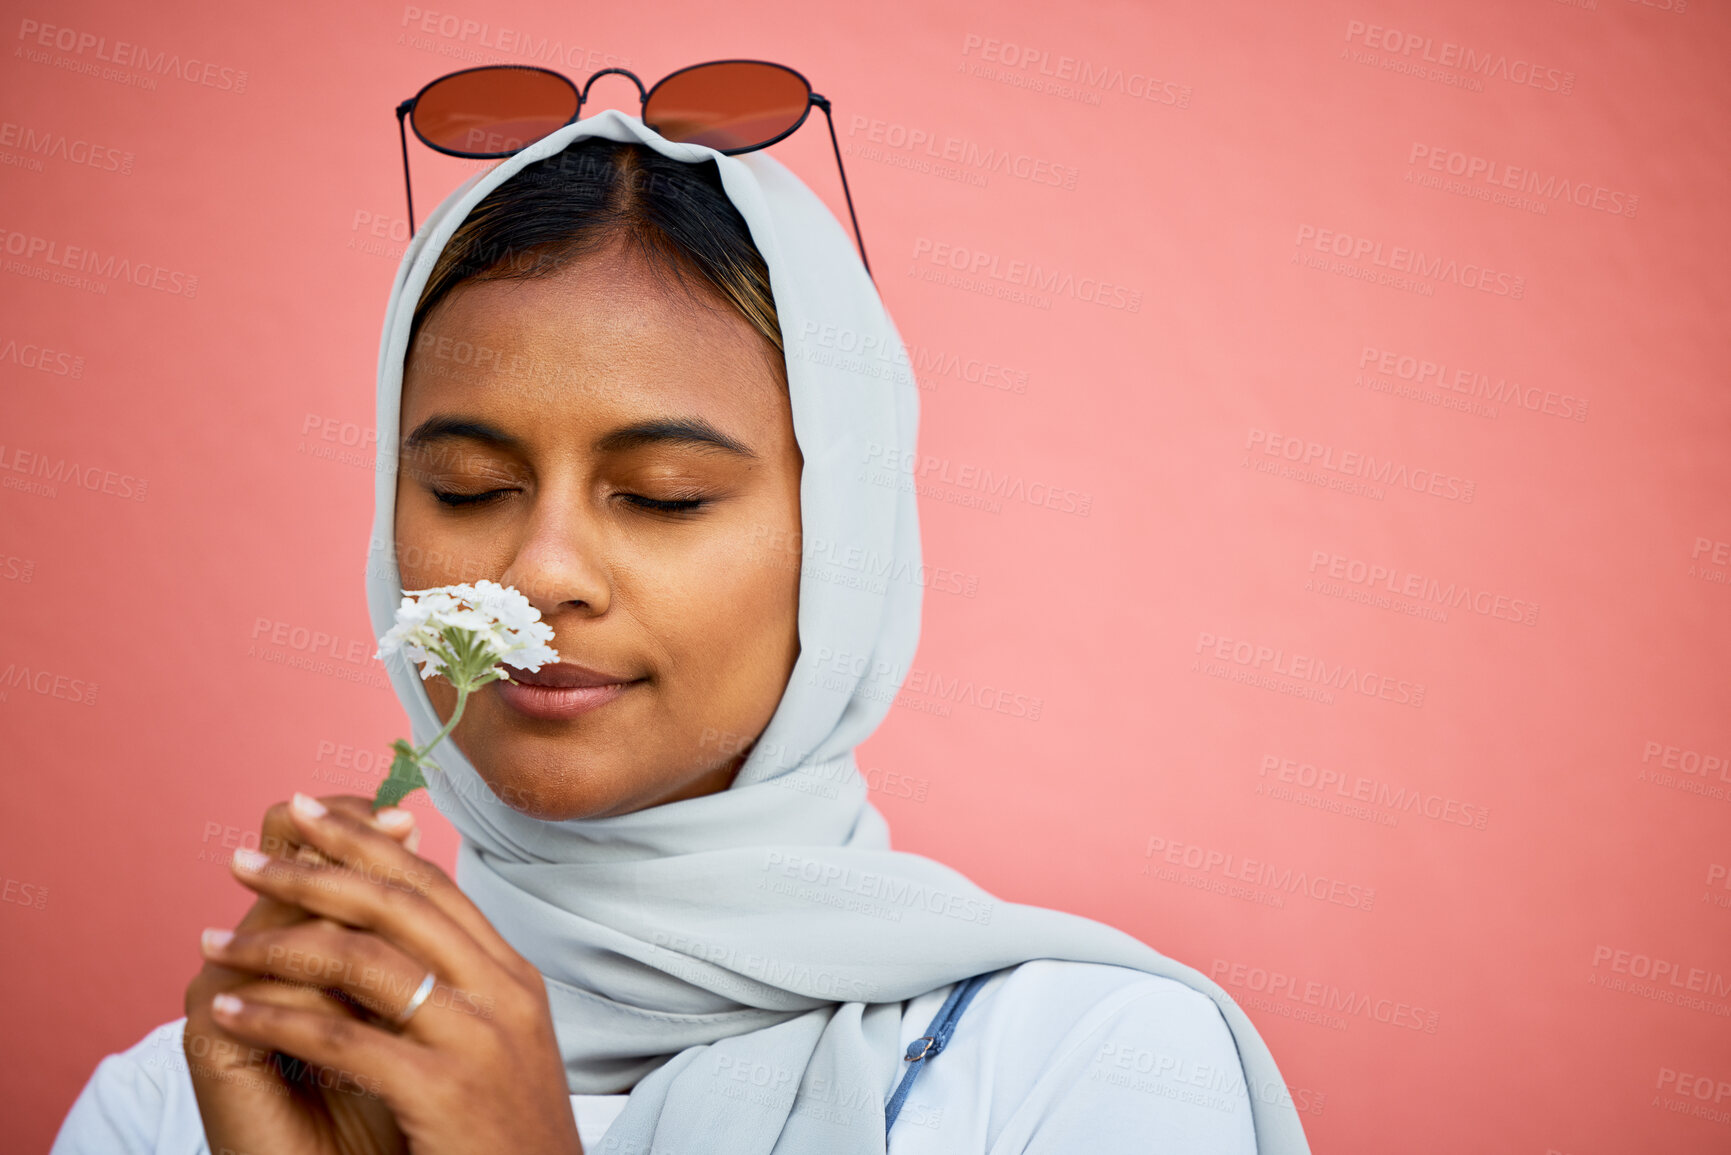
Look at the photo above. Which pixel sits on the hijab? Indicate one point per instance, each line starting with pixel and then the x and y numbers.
pixel 767 928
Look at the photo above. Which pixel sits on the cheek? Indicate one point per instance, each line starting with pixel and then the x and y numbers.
pixel 432 554
pixel 729 617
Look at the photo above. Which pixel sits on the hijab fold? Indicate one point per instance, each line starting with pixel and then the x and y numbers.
pixel 768 928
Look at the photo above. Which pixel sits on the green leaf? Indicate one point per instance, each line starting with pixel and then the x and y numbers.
pixel 405 776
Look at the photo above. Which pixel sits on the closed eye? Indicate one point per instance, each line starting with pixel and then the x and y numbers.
pixel 447 497
pixel 656 505
pixel 687 505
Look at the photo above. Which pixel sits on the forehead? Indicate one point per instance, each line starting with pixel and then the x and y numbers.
pixel 604 335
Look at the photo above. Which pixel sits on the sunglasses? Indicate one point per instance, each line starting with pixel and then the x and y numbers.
pixel 732 106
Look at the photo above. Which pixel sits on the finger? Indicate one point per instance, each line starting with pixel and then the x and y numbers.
pixel 337 1053
pixel 219 1052
pixel 384 898
pixel 367 970
pixel 340 838
pixel 279 835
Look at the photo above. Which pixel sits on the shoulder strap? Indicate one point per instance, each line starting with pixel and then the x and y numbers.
pixel 929 1044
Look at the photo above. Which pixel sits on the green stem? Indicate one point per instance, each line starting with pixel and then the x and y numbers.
pixel 456 716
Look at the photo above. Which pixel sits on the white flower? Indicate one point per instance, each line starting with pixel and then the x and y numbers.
pixel 467 631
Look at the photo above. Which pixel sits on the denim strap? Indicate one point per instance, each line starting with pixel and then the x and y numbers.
pixel 929 1044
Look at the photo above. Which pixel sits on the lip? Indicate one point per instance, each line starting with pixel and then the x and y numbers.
pixel 558 692
pixel 565 675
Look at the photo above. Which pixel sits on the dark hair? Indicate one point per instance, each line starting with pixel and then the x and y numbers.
pixel 572 204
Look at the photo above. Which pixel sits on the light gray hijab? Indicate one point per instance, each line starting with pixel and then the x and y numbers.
pixel 769 925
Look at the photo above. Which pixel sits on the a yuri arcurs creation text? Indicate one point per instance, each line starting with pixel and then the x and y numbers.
pixel 469 634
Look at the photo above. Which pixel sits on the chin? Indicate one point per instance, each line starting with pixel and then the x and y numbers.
pixel 553 795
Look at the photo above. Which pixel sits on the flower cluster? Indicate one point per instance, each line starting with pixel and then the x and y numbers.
pixel 468 633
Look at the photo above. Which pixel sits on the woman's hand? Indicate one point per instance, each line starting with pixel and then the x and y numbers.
pixel 242 1089
pixel 475 1068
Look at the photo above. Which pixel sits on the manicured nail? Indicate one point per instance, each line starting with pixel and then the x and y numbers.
pixel 249 860
pixel 413 842
pixel 394 818
pixel 308 807
pixel 226 1004
pixel 215 938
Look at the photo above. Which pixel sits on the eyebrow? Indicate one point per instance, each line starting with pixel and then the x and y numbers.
pixel 690 431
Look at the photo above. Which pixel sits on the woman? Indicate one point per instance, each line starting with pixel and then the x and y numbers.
pixel 676 924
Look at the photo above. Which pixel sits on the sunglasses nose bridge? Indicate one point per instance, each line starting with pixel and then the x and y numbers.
pixel 642 93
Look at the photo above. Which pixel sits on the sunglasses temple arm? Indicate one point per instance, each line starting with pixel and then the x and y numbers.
pixel 822 103
pixel 403 135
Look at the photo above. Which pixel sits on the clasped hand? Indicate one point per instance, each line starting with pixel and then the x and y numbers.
pixel 293 1037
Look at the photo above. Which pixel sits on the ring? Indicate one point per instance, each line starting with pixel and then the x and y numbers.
pixel 416 999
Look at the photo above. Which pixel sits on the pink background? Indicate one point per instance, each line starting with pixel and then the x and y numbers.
pixel 1530 957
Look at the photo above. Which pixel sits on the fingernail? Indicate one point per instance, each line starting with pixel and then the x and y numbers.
pixel 413 842
pixel 226 1004
pixel 215 938
pixel 308 807
pixel 393 818
pixel 249 860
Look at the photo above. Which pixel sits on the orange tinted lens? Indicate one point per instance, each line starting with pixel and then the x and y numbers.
pixel 727 106
pixel 494 110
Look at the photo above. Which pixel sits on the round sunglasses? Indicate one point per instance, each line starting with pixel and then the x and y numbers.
pixel 497 110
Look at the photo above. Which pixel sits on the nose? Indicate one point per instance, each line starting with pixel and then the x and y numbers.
pixel 560 562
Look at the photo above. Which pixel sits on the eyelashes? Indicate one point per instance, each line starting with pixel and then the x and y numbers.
pixel 457 500
pixel 683 505
pixel 446 497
